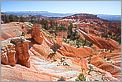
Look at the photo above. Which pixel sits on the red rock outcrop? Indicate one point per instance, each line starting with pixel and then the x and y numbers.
pixel 22 47
pixel 36 33
pixel 84 65
pixel 16 53
pixel 100 63
pixel 71 51
pixel 4 58
pixel 59 40
pixel 8 55
pixel 11 55
pixel 101 42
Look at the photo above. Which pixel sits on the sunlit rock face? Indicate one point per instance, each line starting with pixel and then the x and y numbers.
pixel 16 51
pixel 8 55
pixel 71 51
pixel 102 43
pixel 36 35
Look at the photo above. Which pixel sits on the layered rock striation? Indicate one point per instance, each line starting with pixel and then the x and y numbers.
pixel 16 51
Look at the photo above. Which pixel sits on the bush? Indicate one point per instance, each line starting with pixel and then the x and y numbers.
pixel 62 28
pixel 81 77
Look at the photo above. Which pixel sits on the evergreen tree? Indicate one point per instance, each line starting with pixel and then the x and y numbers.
pixel 44 24
pixel 21 19
pixel 69 30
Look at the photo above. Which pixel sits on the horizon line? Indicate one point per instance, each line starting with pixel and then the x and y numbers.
pixel 60 12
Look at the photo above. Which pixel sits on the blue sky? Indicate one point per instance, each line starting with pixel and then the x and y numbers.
pixel 92 7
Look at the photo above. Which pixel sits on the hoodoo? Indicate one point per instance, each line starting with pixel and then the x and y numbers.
pixel 16 52
pixel 36 35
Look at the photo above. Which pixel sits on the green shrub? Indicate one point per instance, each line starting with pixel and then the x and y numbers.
pixel 81 77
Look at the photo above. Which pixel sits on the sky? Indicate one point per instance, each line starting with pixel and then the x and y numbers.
pixel 91 7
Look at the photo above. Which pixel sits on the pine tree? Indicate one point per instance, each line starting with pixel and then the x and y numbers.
pixel 69 30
